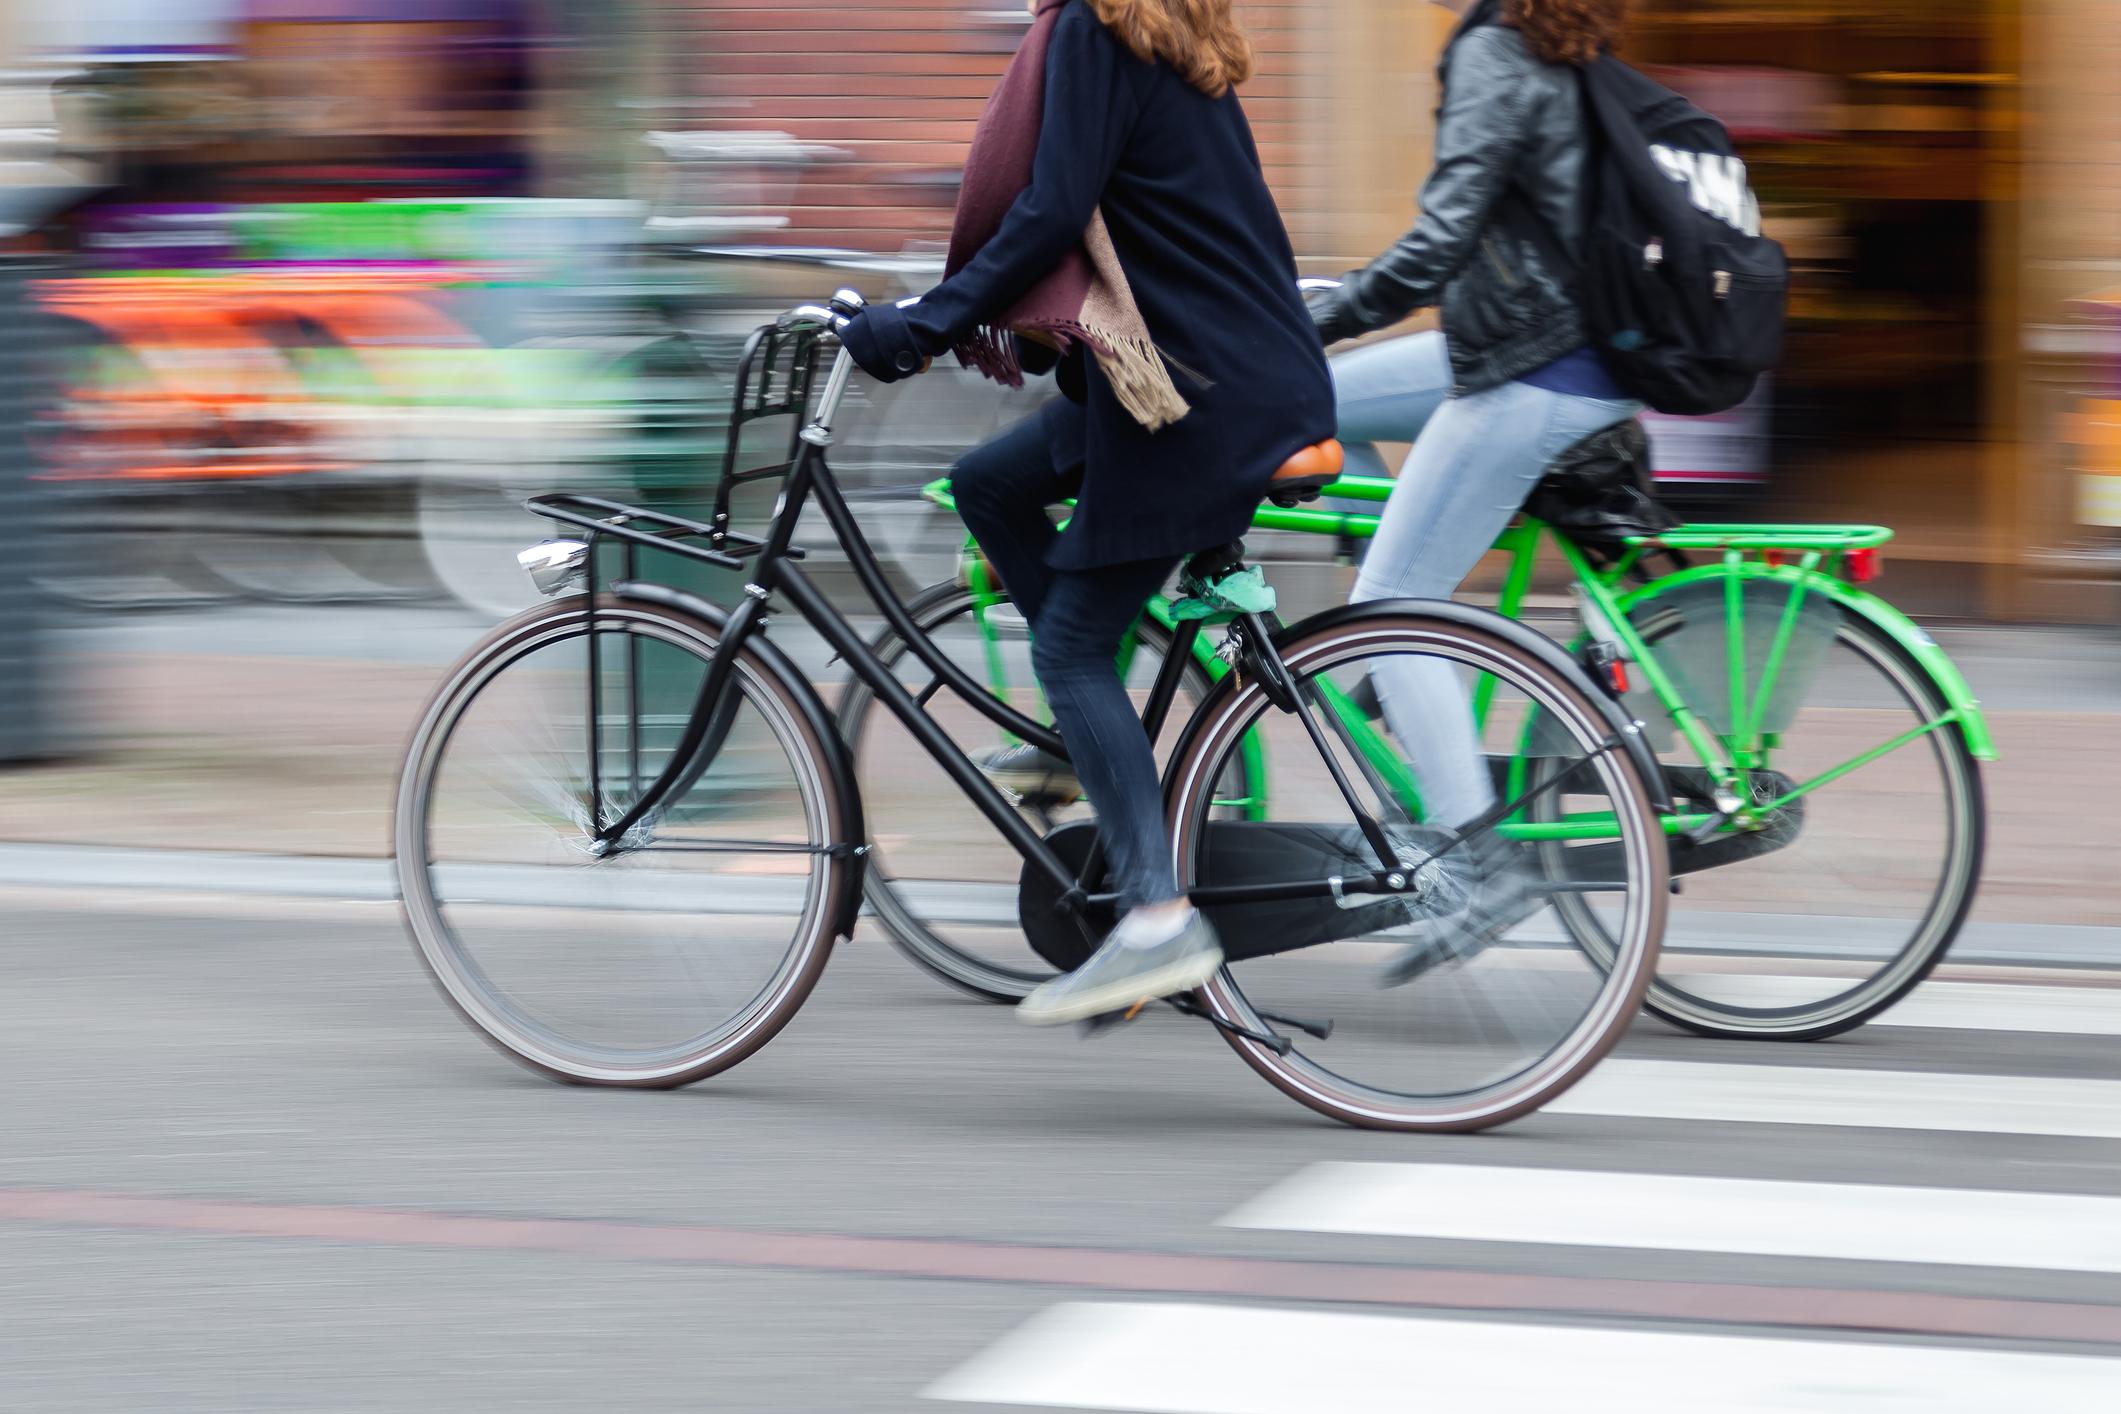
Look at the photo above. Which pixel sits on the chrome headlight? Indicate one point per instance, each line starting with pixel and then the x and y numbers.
pixel 556 566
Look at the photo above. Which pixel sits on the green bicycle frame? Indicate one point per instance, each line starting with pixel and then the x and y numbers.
pixel 1806 561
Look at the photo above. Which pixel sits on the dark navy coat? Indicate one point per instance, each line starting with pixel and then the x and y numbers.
pixel 1178 178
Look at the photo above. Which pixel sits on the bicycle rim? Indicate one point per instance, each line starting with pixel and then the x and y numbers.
pixel 1507 1023
pixel 677 955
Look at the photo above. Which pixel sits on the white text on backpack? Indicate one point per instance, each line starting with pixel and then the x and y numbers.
pixel 1715 184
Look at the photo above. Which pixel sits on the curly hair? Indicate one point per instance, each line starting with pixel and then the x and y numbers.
pixel 1201 39
pixel 1567 31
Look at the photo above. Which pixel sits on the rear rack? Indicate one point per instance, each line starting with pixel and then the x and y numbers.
pixel 1767 537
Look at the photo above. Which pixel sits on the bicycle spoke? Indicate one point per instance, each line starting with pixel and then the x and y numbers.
pixel 690 846
pixel 1878 753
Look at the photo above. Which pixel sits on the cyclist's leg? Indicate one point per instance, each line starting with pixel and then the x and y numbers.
pixel 1387 393
pixel 1162 946
pixel 1075 648
pixel 1469 472
pixel 1003 488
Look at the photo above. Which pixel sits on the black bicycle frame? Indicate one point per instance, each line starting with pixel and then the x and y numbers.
pixel 774 570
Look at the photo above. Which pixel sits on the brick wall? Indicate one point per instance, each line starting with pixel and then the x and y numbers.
pixel 898 87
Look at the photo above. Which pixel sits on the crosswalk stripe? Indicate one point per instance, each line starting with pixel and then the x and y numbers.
pixel 1201 1359
pixel 1868 1222
pixel 1875 1099
pixel 1957 1006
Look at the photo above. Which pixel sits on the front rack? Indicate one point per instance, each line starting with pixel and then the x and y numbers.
pixel 658 530
pixel 775 377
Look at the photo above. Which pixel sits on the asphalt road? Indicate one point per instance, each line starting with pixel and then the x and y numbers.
pixel 252 1163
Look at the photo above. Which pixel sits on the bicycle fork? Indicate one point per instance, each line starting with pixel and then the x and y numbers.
pixel 706 729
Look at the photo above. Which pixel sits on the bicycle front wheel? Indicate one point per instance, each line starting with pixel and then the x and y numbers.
pixel 684 949
pixel 1393 1015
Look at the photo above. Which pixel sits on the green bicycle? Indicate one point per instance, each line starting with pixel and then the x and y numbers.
pixel 1822 752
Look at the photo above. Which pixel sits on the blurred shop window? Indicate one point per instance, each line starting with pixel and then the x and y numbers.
pixel 384 95
pixel 1869 130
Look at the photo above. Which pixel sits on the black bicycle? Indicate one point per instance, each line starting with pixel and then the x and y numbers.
pixel 627 831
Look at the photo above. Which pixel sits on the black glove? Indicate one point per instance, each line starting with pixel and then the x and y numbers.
pixel 1333 314
pixel 881 344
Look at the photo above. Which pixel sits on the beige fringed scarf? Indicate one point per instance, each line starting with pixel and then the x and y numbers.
pixel 1086 298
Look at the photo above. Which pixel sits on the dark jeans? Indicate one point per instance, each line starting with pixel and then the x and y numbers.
pixel 1077 618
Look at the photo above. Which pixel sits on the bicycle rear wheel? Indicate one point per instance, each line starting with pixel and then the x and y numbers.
pixel 1851 892
pixel 687 948
pixel 939 878
pixel 1501 1025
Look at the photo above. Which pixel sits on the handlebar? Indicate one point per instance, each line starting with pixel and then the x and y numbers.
pixel 832 317
pixel 845 304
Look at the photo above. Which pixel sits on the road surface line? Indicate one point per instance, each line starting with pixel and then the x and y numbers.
pixel 1956 1006
pixel 1796 941
pixel 1196 1359
pixel 1869 1099
pixel 1855 1221
pixel 1086 1268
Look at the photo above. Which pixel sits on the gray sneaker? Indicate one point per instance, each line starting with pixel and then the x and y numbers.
pixel 1031 773
pixel 1118 977
pixel 1472 895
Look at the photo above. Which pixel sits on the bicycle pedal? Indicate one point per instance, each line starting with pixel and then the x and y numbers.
pixel 1110 1021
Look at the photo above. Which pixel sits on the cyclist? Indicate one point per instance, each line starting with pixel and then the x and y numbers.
pixel 1508 383
pixel 1114 208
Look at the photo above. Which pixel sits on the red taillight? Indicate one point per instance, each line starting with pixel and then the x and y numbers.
pixel 1863 566
pixel 1619 670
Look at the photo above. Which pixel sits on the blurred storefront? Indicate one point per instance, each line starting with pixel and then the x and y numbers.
pixel 1947 174
pixel 1944 172
pixel 1930 166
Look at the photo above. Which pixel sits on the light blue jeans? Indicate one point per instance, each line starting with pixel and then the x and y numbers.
pixel 1475 460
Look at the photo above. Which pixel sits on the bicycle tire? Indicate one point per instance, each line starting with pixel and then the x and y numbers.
pixel 1309 649
pixel 911 933
pixel 1965 819
pixel 790 710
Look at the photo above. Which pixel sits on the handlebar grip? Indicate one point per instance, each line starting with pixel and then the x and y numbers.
pixel 845 304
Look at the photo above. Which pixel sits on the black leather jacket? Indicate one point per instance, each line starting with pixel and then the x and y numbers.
pixel 1501 215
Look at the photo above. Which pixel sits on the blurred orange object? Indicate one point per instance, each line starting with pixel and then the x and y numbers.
pixel 190 376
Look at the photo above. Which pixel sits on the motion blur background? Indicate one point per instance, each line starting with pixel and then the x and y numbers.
pixel 300 297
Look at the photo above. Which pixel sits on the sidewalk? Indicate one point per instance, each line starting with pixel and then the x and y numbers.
pixel 275 753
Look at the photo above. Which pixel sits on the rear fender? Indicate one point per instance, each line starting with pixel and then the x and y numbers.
pixel 1904 632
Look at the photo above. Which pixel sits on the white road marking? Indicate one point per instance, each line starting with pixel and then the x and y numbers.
pixel 1200 1359
pixel 1957 1006
pixel 1874 1099
pixel 1858 1221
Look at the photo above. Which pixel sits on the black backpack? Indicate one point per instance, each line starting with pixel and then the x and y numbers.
pixel 1681 294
